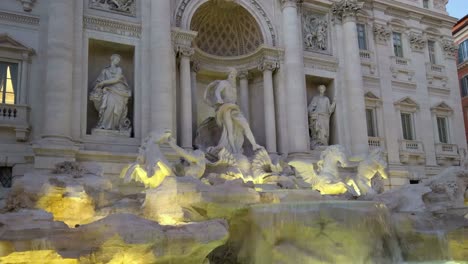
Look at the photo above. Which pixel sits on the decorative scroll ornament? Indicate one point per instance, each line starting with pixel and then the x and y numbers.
pixel 315 32
pixel 382 33
pixel 450 49
pixel 417 41
pixel 346 8
pixel 125 7
pixel 267 65
pixel 27 4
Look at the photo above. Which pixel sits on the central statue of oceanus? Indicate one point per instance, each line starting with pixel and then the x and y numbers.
pixel 221 95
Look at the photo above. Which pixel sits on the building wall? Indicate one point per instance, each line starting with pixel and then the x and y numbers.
pixel 390 84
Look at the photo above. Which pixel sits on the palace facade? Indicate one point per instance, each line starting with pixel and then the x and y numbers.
pixel 389 66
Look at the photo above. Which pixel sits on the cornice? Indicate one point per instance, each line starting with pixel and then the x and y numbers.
pixel 15 18
pixel 112 26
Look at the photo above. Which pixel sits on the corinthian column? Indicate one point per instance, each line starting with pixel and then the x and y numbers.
pixel 162 55
pixel 183 46
pixel 244 93
pixel 269 104
pixel 59 71
pixel 294 78
pixel 345 13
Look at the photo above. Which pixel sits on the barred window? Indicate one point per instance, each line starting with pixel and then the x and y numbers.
pixel 6 177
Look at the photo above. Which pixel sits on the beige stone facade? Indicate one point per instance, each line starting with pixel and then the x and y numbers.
pixel 390 65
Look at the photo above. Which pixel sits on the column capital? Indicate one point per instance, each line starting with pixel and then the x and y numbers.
pixel 185 51
pixel 267 65
pixel 243 74
pixel 382 33
pixel 290 3
pixel 346 9
pixel 195 66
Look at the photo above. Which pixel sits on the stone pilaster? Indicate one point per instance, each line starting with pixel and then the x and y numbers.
pixel 345 13
pixel 56 144
pixel 162 56
pixel 267 67
pixel 296 102
pixel 193 78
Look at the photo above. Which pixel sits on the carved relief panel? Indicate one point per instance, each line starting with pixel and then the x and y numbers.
pixel 315 32
pixel 123 7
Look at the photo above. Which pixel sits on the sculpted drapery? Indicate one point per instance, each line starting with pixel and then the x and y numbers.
pixel 320 111
pixel 110 97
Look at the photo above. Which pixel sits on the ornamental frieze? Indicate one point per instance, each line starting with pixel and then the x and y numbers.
pixel 123 7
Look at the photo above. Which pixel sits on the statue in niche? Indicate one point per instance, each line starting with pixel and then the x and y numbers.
pixel 221 95
pixel 110 97
pixel 320 111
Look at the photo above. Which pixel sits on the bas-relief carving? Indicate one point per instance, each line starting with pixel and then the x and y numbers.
pixel 320 111
pixel 315 32
pixel 110 96
pixel 417 41
pixel 125 7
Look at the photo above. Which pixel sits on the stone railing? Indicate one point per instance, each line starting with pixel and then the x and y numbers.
pixel 447 154
pixel 411 146
pixel 435 68
pixel 375 142
pixel 365 54
pixel 412 151
pixel 401 61
pixel 15 117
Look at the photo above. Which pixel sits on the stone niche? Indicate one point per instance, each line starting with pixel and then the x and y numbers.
pixel 312 84
pixel 99 57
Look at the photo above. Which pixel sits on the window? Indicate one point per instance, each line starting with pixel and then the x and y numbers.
pixel 407 126
pixel 463 51
pixel 431 48
pixel 414 181
pixel 464 86
pixel 8 82
pixel 371 123
pixel 442 128
pixel 6 177
pixel 397 45
pixel 362 38
pixel 426 3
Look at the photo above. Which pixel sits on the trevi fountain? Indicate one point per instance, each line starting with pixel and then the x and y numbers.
pixel 232 195
pixel 216 204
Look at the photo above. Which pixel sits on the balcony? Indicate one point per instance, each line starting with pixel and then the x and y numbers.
pixel 435 69
pixel 365 55
pixel 376 142
pixel 15 117
pixel 412 151
pixel 447 154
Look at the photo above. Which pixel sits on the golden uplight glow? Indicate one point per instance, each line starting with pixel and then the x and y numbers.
pixel 6 88
pixel 140 175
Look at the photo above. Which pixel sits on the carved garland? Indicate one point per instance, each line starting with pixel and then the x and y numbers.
pixel 183 5
pixel 417 41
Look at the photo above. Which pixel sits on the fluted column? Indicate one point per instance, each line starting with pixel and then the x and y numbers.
pixel 59 71
pixel 162 56
pixel 244 93
pixel 185 97
pixel 269 104
pixel 345 12
pixel 294 78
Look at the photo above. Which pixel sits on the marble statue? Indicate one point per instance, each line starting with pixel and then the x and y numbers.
pixel 368 168
pixel 221 95
pixel 152 167
pixel 326 177
pixel 320 111
pixel 110 97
